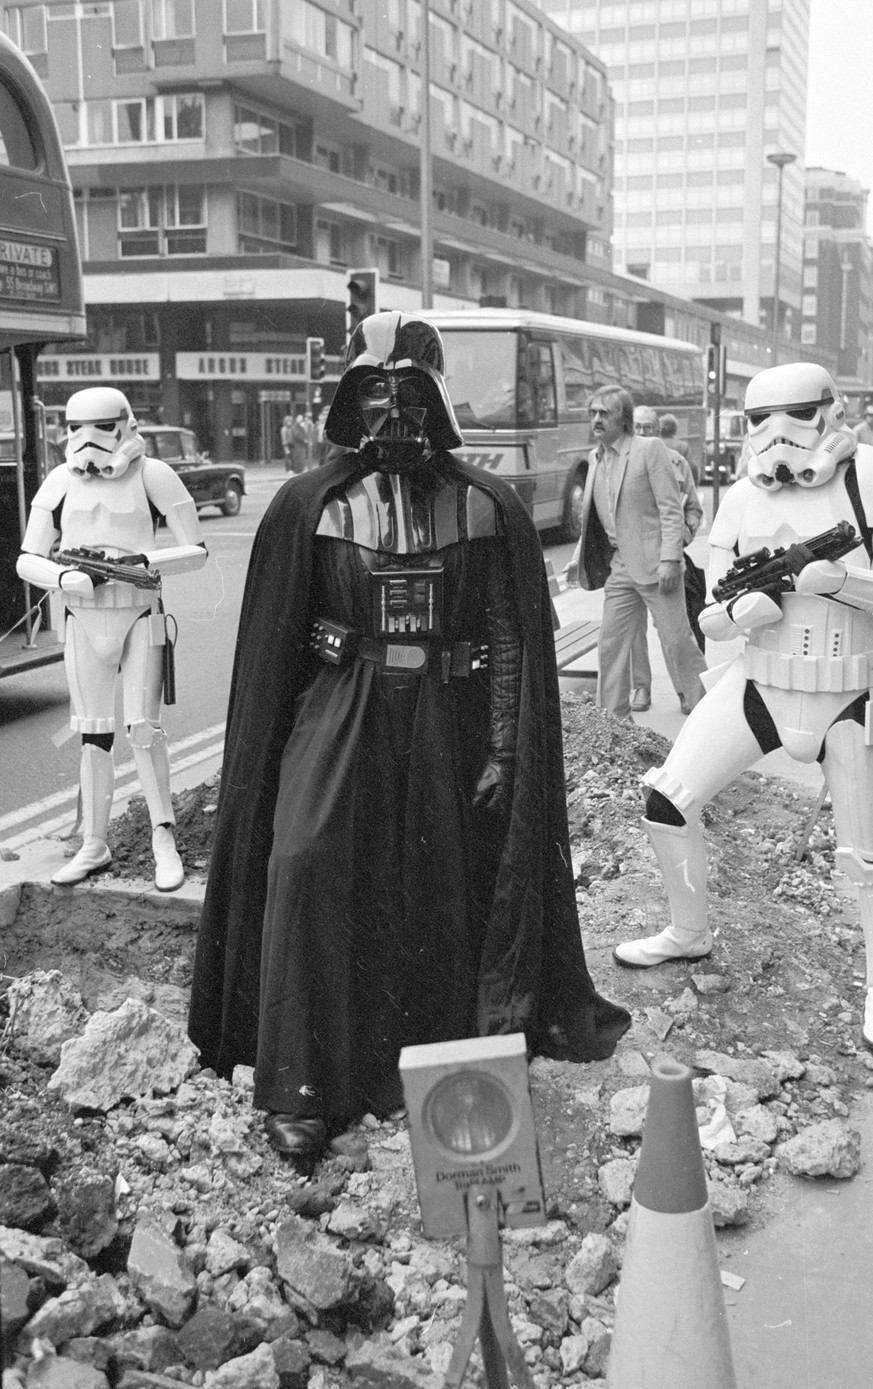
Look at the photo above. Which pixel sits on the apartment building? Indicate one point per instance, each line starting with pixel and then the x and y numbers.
pixel 837 304
pixel 234 160
pixel 705 91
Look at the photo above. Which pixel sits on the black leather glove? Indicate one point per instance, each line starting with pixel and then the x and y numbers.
pixel 494 787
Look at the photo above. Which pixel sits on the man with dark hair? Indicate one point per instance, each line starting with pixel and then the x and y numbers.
pixel 633 533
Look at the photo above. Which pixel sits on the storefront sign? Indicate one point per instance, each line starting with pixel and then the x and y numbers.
pixel 240 366
pixel 28 272
pixel 106 366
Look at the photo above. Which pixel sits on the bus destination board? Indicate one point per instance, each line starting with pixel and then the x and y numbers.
pixel 28 271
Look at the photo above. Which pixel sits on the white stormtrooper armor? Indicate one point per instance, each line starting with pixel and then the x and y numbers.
pixel 802 682
pixel 106 498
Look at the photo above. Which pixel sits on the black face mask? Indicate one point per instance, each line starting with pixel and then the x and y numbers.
pixel 393 408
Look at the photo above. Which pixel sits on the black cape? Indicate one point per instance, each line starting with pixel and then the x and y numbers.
pixel 532 975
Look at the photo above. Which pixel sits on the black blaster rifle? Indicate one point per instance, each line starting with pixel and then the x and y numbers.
pixel 774 571
pixel 126 569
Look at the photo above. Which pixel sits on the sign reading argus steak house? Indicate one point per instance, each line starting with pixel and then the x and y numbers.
pixel 28 271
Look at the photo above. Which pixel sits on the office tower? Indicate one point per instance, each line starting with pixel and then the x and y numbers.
pixel 837 305
pixel 705 91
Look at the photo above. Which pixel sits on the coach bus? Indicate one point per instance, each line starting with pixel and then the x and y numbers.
pixel 40 302
pixel 520 383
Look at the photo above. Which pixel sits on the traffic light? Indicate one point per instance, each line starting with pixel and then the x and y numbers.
pixel 363 290
pixel 715 370
pixel 315 365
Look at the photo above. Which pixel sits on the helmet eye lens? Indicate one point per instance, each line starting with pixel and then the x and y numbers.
pixel 382 393
pixel 758 417
pixel 806 412
pixel 374 393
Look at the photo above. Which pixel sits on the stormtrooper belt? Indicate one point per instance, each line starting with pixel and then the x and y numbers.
pixel 441 660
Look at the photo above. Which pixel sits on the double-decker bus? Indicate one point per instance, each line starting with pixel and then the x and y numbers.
pixel 520 383
pixel 40 302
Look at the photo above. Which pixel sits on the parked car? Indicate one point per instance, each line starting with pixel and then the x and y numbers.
pixel 210 484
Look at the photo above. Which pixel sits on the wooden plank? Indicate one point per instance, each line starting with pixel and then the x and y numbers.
pixel 572 642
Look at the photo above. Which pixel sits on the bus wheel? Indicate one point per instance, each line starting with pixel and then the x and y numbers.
pixel 571 526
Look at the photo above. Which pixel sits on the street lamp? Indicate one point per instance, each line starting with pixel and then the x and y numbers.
pixel 780 159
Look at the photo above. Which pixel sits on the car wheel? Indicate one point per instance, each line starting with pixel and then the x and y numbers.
pixel 232 503
pixel 571 526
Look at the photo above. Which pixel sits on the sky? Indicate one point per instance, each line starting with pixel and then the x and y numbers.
pixel 839 113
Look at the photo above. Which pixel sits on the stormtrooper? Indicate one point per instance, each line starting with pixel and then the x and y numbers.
pixel 802 680
pixel 107 498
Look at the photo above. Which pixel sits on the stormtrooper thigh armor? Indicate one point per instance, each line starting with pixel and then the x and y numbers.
pixel 97 641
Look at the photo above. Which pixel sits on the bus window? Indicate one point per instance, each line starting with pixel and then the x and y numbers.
pixel 541 376
pixel 576 369
pixel 481 377
pixel 17 148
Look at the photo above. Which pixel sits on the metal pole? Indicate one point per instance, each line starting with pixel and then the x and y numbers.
pixel 426 165
pixel 780 159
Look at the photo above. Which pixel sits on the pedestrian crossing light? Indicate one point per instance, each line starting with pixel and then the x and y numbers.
pixel 315 365
pixel 363 290
pixel 472 1129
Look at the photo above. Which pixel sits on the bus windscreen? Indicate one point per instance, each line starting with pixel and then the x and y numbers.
pixel 481 376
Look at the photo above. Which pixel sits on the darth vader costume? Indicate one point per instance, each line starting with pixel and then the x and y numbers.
pixel 391 860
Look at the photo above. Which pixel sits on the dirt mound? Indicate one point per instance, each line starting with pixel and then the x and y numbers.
pixel 782 989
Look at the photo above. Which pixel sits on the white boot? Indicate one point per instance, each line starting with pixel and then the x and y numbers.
pixel 153 768
pixel 681 857
pixel 97 784
pixel 169 873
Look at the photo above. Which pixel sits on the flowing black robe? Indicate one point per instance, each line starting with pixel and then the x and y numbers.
pixel 385 911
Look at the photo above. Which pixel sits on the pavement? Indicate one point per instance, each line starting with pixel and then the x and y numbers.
pixel 801 1319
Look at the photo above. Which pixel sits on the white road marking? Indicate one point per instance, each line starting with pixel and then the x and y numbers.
pixel 68 798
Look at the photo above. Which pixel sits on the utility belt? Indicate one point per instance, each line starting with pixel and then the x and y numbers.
pixel 441 660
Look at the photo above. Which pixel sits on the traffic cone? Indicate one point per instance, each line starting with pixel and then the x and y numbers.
pixel 670 1320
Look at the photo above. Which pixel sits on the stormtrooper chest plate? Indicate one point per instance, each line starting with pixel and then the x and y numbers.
pixel 110 514
pixel 779 519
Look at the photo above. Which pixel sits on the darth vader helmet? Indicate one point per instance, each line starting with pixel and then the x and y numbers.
pixel 102 435
pixel 797 431
pixel 392 397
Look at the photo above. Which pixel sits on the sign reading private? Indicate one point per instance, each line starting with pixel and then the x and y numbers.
pixel 28 271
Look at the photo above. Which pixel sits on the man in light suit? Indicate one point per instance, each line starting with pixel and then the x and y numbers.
pixel 631 545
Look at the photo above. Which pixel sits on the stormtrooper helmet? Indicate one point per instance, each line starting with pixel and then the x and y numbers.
pixel 797 431
pixel 102 435
pixel 393 396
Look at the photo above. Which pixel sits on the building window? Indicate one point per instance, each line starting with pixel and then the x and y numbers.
pixel 264 225
pixel 255 133
pixel 162 221
pixel 245 16
pixel 807 334
pixel 27 29
pixel 322 33
pixel 127 24
pixel 389 257
pixel 146 120
pixel 173 19
pixel 810 277
pixel 809 305
pixel 331 243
